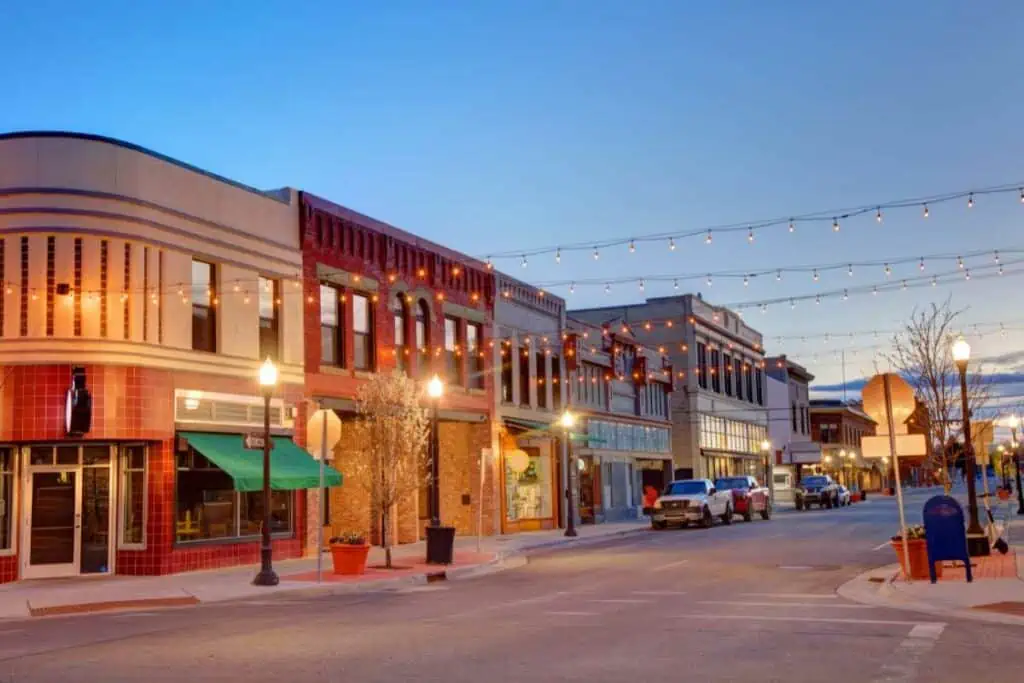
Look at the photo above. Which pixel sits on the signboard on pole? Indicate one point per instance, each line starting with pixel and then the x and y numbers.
pixel 255 442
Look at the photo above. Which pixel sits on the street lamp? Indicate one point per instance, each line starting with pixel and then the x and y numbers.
pixel 854 483
pixel 842 465
pixel 977 540
pixel 268 380
pixel 567 421
pixel 1001 449
pixel 1013 421
pixel 435 389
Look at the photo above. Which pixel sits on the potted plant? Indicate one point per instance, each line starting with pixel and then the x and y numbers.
pixel 917 553
pixel 349 552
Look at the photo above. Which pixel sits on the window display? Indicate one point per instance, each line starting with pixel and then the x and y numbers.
pixel 527 485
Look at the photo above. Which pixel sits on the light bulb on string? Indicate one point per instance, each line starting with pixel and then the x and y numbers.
pixel 878 214
pixel 925 212
pixel 632 247
pixel 792 225
pixel 558 255
pixel 904 285
pixel 888 270
pixel 750 235
pixel 792 303
pixel 1002 330
pixel 764 308
pixel 846 295
pixel 607 289
pixel 959 263
pixel 597 254
pixel 874 290
pixel 707 240
pixel 815 275
pixel 675 284
pixel 934 281
pixel 995 256
pixel 709 279
pixel 1000 268
pixel 920 266
pixel 489 264
pixel 778 275
pixel 671 244
pixel 835 225
pixel 641 285
pixel 524 261
pixel 572 287
pixel 1022 195
pixel 967 274
pixel 746 280
pixel 849 270
pixel 817 298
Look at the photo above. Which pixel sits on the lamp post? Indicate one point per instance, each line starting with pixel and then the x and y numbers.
pixel 885 471
pixel 268 379
pixel 766 449
pixel 842 466
pixel 977 540
pixel 567 420
pixel 1014 422
pixel 435 389
pixel 1001 449
pixel 854 483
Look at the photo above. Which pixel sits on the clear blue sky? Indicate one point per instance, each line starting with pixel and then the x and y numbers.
pixel 490 125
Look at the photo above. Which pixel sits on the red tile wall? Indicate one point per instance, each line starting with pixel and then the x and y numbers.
pixel 131 403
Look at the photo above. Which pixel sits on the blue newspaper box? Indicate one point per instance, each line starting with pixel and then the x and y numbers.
pixel 946 533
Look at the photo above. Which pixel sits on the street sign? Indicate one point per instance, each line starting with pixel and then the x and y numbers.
pixel 254 442
pixel 901 398
pixel 315 432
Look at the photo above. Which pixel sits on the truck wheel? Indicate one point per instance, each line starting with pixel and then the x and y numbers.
pixel 749 514
pixel 658 525
pixel 707 521
pixel 799 504
pixel 727 517
pixel 767 512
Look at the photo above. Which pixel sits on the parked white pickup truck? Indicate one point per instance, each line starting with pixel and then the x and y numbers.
pixel 692 500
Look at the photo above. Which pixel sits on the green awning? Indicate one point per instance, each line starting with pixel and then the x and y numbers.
pixel 290 467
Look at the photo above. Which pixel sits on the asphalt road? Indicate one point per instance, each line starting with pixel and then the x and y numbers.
pixel 749 602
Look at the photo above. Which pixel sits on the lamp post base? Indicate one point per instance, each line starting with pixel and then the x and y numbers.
pixel 266 577
pixel 571 532
pixel 977 545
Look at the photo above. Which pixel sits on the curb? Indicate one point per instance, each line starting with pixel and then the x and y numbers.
pixel 863 590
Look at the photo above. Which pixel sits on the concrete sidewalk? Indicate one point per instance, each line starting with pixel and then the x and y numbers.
pixel 998 600
pixel 103 593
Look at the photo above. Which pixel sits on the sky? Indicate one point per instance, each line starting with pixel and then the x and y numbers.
pixel 502 126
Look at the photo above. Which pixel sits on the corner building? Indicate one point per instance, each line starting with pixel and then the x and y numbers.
pixel 154 289
pixel 379 299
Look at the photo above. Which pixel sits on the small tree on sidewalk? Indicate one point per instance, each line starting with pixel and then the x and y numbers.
pixel 389 457
pixel 923 355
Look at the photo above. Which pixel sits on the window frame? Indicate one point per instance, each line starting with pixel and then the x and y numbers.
pixel 421 320
pixel 400 321
pixel 122 488
pixel 210 307
pixel 540 361
pixel 454 374
pixel 508 379
pixel 702 365
pixel 523 376
pixel 338 340
pixel 716 376
pixel 274 328
pixel 369 337
pixel 475 380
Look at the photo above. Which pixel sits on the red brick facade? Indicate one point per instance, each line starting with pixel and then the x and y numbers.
pixel 133 404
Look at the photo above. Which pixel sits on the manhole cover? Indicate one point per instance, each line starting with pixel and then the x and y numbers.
pixel 1012 608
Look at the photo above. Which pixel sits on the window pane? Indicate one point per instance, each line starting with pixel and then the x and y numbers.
pixel 329 345
pixel 421 334
pixel 360 313
pixel 450 331
pixel 328 305
pixel 251 512
pixel 399 329
pixel 267 295
pixel 202 283
pixel 361 352
pixel 472 337
pixel 133 506
pixel 205 504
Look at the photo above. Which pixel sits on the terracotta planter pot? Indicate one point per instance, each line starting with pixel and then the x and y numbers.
pixel 349 560
pixel 917 549
pixel 1004 494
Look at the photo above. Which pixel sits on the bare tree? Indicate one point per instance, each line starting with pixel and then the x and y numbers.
pixel 388 455
pixel 923 355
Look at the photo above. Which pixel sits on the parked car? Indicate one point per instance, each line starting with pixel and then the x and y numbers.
pixel 818 488
pixel 692 500
pixel 843 495
pixel 748 497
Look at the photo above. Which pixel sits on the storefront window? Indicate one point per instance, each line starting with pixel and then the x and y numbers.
pixel 528 489
pixel 6 497
pixel 209 507
pixel 133 495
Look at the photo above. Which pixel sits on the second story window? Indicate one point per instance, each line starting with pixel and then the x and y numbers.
pixel 331 352
pixel 362 332
pixel 269 318
pixel 204 311
pixel 524 376
pixel 727 374
pixel 542 381
pixel 702 366
pixel 476 357
pixel 749 377
pixel 556 384
pixel 452 359
pixel 506 375
pixel 760 383
pixel 793 411
pixel 422 339
pixel 716 383
pixel 400 312
pixel 737 376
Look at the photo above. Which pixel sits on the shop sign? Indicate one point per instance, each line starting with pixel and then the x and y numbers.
pixel 254 442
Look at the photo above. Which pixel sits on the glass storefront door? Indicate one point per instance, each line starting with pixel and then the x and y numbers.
pixel 53 524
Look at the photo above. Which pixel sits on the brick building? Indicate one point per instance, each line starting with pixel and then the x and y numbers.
pixel 839 426
pixel 154 288
pixel 718 407
pixel 380 299
pixel 620 392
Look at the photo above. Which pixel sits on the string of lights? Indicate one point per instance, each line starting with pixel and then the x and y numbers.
pixel 964 261
pixel 832 218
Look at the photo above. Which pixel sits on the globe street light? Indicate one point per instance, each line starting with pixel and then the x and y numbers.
pixel 268 380
pixel 977 540
pixel 1013 422
pixel 567 421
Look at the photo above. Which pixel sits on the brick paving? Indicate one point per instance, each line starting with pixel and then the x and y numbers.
pixel 995 566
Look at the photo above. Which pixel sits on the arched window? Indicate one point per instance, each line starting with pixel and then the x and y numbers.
pixel 401 312
pixel 423 338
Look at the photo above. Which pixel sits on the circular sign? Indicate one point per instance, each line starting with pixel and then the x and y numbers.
pixel 901 395
pixel 517 461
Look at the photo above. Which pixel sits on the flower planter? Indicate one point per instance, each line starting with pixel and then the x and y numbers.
pixel 349 559
pixel 917 549
pixel 854 497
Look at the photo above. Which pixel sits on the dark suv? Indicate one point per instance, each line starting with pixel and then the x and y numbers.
pixel 818 488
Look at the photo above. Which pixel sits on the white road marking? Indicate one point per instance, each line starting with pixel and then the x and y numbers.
pixel 826 620
pixel 670 565
pixel 881 545
pixel 12 630
pixel 571 614
pixel 796 566
pixel 744 603
pixel 903 663
pixel 815 596
pixel 623 601
pixel 659 592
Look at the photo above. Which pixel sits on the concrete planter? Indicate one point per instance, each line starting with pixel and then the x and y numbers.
pixel 349 560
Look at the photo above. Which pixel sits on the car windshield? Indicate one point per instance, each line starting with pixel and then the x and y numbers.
pixel 683 488
pixel 732 483
pixel 815 481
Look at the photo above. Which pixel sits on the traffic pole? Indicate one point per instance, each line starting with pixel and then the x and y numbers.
pixel 896 471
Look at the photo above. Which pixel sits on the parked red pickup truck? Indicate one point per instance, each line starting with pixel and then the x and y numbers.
pixel 747 496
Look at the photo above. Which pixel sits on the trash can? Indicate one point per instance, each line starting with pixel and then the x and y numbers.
pixel 440 544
